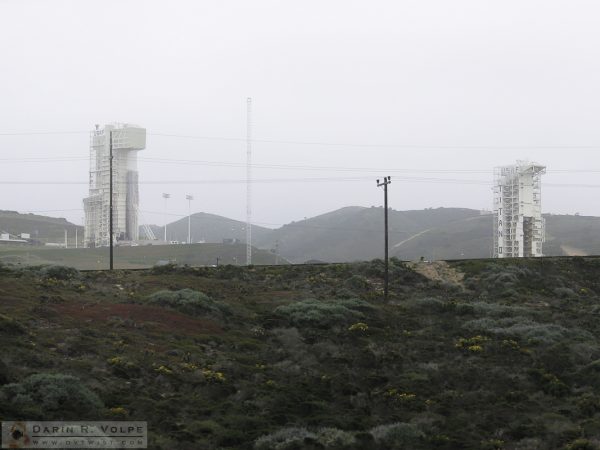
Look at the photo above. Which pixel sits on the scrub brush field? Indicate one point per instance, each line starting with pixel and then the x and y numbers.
pixel 480 355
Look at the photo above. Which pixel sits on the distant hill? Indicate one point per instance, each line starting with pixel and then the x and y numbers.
pixel 349 234
pixel 356 233
pixel 209 228
pixel 41 228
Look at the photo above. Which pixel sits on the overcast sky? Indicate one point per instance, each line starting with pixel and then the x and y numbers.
pixel 386 80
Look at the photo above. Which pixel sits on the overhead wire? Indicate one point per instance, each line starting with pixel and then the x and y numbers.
pixel 323 143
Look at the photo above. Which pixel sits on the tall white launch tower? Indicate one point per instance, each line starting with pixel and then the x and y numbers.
pixel 127 140
pixel 518 223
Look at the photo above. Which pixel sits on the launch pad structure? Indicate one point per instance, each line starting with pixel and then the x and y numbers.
pixel 519 228
pixel 127 140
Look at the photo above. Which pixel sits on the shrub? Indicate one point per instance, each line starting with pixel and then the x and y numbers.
pixel 160 269
pixel 525 329
pixel 285 438
pixel 10 325
pixel 358 282
pixel 397 434
pixel 297 438
pixel 334 438
pixel 359 327
pixel 50 397
pixel 549 383
pixel 564 292
pixel 497 310
pixel 60 272
pixel 355 304
pixel 322 313
pixel 581 444
pixel 189 301
pixel 427 304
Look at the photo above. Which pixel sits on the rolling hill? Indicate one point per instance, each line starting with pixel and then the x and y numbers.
pixel 41 228
pixel 209 228
pixel 349 234
pixel 356 233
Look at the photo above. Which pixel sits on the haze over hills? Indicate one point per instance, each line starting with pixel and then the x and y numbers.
pixel 41 228
pixel 356 233
pixel 351 233
pixel 209 228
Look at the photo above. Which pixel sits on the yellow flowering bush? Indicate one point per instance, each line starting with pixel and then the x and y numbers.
pixel 118 411
pixel 473 344
pixel 213 376
pixel 359 327
pixel 163 370
pixel 395 394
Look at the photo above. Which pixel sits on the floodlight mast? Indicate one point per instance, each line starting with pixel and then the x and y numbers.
pixel 166 197
pixel 189 198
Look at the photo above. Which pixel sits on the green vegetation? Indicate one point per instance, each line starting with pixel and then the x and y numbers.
pixel 62 397
pixel 310 357
pixel 143 256
pixel 189 301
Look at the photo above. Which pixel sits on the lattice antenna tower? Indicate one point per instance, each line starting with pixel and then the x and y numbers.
pixel 249 181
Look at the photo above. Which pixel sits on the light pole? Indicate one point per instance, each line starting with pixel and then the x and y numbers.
pixel 166 196
pixel 189 198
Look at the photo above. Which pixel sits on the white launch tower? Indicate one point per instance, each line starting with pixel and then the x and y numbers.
pixel 127 140
pixel 518 222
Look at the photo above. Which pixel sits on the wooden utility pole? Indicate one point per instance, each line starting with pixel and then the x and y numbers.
pixel 384 183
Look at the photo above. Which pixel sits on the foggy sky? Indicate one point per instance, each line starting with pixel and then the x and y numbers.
pixel 388 78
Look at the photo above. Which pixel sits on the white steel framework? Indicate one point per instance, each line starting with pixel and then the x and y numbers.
pixel 519 229
pixel 127 140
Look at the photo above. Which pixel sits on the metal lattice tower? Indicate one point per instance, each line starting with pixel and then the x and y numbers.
pixel 249 182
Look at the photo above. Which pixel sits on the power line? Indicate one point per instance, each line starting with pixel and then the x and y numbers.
pixel 377 145
pixel 43 133
pixel 188 162
pixel 327 143
pixel 430 180
pixel 255 180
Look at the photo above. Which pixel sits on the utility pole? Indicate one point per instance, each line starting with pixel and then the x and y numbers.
pixel 189 198
pixel 384 183
pixel 76 236
pixel 166 196
pixel 110 201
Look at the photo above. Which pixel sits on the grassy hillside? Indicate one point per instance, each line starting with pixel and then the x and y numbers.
pixel 41 228
pixel 576 233
pixel 348 234
pixel 496 355
pixel 135 257
pixel 472 238
pixel 355 233
pixel 210 228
